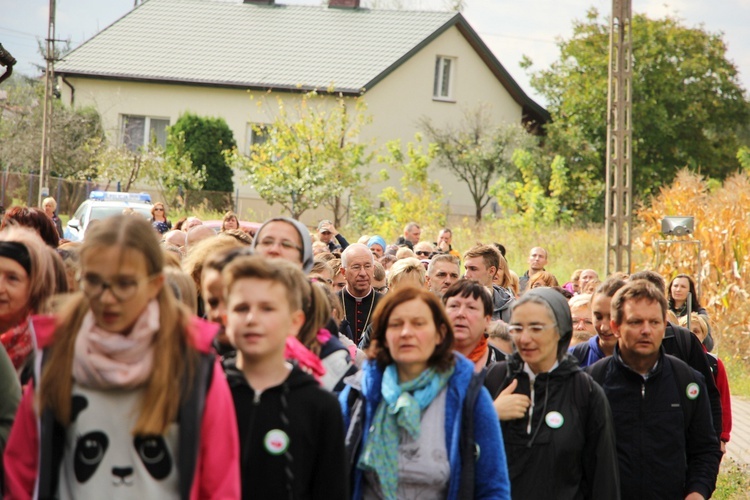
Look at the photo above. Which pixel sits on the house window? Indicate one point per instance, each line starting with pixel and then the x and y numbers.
pixel 443 86
pixel 255 134
pixel 141 131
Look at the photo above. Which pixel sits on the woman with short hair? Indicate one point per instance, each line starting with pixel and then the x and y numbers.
pixel 419 421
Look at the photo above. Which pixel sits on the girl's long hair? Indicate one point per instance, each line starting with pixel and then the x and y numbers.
pixel 174 357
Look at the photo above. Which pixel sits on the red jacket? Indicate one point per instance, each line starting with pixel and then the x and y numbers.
pixel 722 384
pixel 217 467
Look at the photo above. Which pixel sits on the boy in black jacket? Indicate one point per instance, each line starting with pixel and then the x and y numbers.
pixel 291 431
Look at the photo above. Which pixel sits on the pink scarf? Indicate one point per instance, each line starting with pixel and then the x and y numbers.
pixel 106 360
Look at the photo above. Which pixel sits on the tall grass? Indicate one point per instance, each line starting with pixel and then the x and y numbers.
pixel 733 482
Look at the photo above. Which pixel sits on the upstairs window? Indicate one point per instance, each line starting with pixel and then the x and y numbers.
pixel 141 131
pixel 443 87
pixel 256 133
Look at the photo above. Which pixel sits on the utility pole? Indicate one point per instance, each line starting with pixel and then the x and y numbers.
pixel 619 193
pixel 44 162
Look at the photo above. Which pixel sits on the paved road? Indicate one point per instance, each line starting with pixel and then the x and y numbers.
pixel 739 444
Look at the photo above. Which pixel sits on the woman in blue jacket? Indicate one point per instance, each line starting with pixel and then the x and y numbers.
pixel 419 422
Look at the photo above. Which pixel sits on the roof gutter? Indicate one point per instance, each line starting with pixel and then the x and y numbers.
pixel 72 91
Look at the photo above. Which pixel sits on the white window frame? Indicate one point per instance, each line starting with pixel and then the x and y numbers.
pixel 439 93
pixel 146 130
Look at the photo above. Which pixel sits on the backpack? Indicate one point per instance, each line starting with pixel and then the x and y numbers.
pixel 468 447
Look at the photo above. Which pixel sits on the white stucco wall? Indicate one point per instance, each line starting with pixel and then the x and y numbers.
pixel 396 104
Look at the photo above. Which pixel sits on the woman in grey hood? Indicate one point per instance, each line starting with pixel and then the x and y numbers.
pixel 556 421
pixel 286 238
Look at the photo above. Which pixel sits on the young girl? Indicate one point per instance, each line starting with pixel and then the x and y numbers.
pixel 127 403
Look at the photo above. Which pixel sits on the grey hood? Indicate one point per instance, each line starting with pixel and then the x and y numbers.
pixel 307 252
pixel 561 310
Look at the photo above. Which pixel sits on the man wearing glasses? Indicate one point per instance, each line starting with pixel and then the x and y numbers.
pixel 358 297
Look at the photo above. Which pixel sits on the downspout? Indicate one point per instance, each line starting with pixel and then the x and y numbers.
pixel 72 91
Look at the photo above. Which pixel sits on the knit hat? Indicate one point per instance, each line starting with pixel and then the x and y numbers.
pixel 307 253
pixel 376 240
pixel 561 310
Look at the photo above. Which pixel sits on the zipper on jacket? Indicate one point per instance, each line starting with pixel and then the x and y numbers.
pixel 256 398
pixel 643 390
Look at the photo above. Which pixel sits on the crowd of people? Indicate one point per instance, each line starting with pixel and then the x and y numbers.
pixel 154 360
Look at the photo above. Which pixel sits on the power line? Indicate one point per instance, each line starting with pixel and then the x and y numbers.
pixel 25 33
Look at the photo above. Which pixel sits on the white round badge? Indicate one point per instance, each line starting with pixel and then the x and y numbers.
pixel 276 441
pixel 554 419
pixel 693 390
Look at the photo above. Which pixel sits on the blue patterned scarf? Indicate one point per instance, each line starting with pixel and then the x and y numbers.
pixel 401 408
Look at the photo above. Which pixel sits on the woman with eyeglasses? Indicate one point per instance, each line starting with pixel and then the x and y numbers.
pixel 285 238
pixel 583 321
pixel 556 421
pixel 159 218
pixel 126 394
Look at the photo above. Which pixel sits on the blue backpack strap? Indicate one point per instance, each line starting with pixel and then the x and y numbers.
pixel 467 444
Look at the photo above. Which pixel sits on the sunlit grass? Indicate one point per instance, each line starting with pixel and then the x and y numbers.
pixel 738 375
pixel 733 482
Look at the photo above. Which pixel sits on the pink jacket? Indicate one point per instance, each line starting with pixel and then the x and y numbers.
pixel 217 472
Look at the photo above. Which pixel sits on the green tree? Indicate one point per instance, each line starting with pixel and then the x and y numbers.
pixel 21 132
pixel 530 200
pixel 743 156
pixel 478 152
pixel 171 172
pixel 688 103
pixel 419 199
pixel 309 156
pixel 206 139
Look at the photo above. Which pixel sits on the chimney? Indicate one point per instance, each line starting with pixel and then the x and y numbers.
pixel 259 2
pixel 344 4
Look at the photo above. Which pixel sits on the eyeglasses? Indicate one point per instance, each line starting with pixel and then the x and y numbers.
pixel 585 321
pixel 122 289
pixel 423 253
pixel 358 267
pixel 285 244
pixel 157 209
pixel 380 289
pixel 535 329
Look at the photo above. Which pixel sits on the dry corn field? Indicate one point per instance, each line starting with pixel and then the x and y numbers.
pixel 721 263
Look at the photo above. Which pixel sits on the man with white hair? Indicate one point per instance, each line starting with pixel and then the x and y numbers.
pixel 358 297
